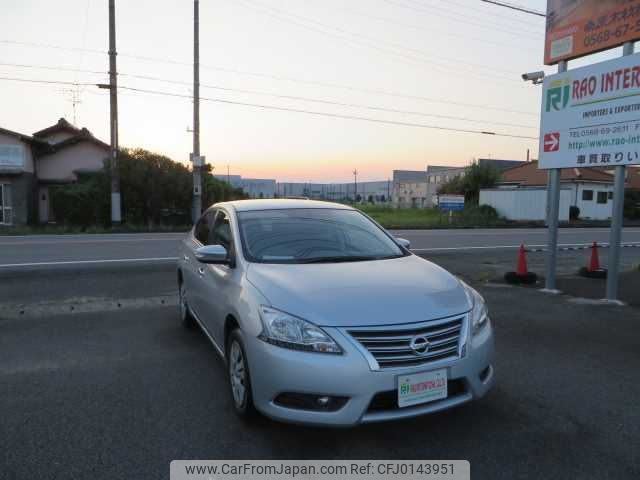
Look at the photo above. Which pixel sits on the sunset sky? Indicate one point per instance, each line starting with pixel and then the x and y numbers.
pixel 463 58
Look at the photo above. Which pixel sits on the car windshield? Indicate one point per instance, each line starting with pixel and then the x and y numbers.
pixel 313 235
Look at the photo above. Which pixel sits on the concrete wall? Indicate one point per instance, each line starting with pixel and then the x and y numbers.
pixel 525 203
pixel 60 166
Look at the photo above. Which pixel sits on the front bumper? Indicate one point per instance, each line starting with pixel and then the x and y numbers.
pixel 275 370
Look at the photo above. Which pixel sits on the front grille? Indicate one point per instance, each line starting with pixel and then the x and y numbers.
pixel 390 346
pixel 389 400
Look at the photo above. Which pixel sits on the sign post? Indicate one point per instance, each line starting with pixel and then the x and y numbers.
pixel 551 142
pixel 591 118
pixel 617 218
pixel 591 115
pixel 451 203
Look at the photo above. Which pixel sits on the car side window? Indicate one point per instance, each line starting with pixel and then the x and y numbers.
pixel 221 231
pixel 203 227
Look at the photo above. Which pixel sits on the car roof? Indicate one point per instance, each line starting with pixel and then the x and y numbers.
pixel 279 204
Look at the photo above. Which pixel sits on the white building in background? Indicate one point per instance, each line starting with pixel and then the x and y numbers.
pixel 410 189
pixel 589 189
pixel 253 187
pixel 370 192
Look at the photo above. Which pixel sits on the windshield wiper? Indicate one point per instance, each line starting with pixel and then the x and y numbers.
pixel 336 259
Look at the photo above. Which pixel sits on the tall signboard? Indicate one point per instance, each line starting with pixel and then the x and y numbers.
pixel 579 27
pixel 591 116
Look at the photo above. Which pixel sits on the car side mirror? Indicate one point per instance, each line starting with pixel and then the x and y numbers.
pixel 404 243
pixel 215 254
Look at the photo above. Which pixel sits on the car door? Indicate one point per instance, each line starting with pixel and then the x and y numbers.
pixel 218 282
pixel 190 267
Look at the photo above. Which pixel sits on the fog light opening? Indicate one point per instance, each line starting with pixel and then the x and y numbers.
pixel 307 401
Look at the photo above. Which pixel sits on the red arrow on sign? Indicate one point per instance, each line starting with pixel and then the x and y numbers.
pixel 552 142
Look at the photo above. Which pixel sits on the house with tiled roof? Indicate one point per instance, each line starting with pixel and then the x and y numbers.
pixel 31 164
pixel 522 193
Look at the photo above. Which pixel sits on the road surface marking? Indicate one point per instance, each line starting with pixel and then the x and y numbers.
pixel 498 247
pixel 79 262
pixel 71 241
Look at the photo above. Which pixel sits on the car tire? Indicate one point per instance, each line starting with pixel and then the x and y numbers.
pixel 186 318
pixel 239 377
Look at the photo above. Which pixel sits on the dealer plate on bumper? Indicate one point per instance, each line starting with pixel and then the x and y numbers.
pixel 422 387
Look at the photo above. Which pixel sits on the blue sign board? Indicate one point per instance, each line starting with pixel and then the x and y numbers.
pixel 454 207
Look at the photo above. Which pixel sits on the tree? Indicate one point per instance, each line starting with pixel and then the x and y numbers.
pixel 469 184
pixel 155 190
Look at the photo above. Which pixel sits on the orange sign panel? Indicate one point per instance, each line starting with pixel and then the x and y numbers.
pixel 579 27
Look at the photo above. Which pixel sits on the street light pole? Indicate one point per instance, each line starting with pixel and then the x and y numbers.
pixel 116 212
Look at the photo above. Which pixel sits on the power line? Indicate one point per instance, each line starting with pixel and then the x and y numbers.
pixel 480 10
pixel 49 82
pixel 298 98
pixel 495 28
pixel 474 18
pixel 275 77
pixel 369 38
pixel 330 102
pixel 47 67
pixel 284 109
pixel 326 114
pixel 374 43
pixel 516 7
pixel 442 32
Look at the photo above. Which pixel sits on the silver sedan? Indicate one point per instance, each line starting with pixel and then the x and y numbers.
pixel 324 318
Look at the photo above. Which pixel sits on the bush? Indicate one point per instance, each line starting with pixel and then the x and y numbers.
pixel 484 215
pixel 574 212
pixel 84 203
pixel 475 178
pixel 154 189
pixel 632 204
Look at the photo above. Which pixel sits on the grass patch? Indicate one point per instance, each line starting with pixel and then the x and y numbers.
pixel 410 218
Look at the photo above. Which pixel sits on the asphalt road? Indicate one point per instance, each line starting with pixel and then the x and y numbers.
pixel 120 392
pixel 60 250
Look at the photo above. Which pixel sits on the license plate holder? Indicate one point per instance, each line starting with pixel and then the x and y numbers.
pixel 421 387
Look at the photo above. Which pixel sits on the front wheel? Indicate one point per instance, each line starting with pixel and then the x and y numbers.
pixel 239 378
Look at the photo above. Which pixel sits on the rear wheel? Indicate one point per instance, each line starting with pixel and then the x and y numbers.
pixel 239 378
pixel 186 318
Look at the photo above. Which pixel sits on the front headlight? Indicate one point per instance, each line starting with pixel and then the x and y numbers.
pixel 288 331
pixel 479 312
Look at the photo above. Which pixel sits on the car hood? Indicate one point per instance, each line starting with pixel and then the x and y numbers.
pixel 383 292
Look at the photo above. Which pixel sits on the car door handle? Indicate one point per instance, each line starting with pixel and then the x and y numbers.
pixel 186 258
pixel 201 271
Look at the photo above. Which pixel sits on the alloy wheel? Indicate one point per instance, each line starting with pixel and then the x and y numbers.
pixel 237 374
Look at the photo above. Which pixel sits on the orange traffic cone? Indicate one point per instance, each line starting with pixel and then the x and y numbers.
pixel 522 273
pixel 594 263
pixel 593 270
pixel 522 269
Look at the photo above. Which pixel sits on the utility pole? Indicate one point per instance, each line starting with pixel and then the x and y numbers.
pixel 355 185
pixel 116 213
pixel 196 160
pixel 228 176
